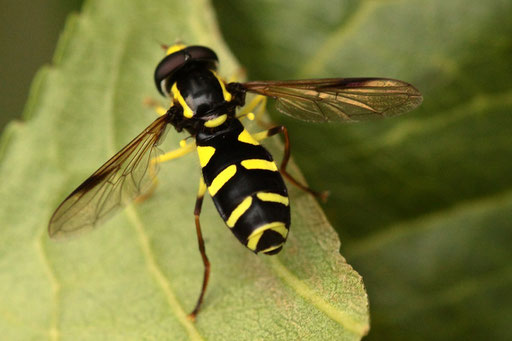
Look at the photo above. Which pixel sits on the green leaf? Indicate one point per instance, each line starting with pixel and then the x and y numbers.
pixel 139 275
pixel 422 202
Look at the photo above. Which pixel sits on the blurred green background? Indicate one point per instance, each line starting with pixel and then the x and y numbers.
pixel 422 203
pixel 28 33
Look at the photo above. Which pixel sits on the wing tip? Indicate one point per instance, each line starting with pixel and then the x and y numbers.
pixel 54 232
pixel 416 98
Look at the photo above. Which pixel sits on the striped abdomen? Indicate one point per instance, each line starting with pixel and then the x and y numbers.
pixel 246 187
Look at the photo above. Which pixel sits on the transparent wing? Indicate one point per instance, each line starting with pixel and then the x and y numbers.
pixel 340 99
pixel 119 181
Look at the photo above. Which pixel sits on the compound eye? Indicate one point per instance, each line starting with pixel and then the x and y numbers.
pixel 201 53
pixel 168 67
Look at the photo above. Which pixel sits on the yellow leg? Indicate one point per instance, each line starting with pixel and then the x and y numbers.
pixel 171 155
pixel 248 109
pixel 259 103
pixel 184 149
pixel 262 135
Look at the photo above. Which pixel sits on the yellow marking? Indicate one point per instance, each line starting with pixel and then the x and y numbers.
pixel 161 111
pixel 250 116
pixel 187 112
pixel 254 238
pixel 205 154
pixel 175 48
pixel 259 164
pixel 216 121
pixel 274 197
pixel 183 143
pixel 226 94
pixel 272 248
pixel 245 137
pixel 202 188
pixel 221 179
pixel 238 211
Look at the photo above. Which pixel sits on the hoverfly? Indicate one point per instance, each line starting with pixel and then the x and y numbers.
pixel 240 175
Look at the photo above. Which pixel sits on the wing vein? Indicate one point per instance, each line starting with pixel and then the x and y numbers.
pixel 340 99
pixel 119 181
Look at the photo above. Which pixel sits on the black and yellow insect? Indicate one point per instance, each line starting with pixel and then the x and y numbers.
pixel 240 175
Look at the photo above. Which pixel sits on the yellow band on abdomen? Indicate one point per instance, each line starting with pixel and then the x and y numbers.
pixel 205 154
pixel 238 211
pixel 221 179
pixel 259 164
pixel 254 238
pixel 245 137
pixel 273 197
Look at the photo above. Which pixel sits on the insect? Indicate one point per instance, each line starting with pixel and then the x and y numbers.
pixel 240 175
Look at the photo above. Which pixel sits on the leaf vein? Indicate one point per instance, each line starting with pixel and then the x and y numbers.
pixel 403 228
pixel 157 273
pixel 474 106
pixel 463 290
pixel 54 333
pixel 151 263
pixel 324 52
pixel 307 293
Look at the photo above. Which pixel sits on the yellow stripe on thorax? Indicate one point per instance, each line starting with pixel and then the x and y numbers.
pixel 259 164
pixel 254 238
pixel 205 154
pixel 238 211
pixel 221 179
pixel 187 112
pixel 225 93
pixel 215 122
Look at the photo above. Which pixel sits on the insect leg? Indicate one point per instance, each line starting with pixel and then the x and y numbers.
pixel 282 129
pixel 183 150
pixel 200 241
pixel 171 155
pixel 258 101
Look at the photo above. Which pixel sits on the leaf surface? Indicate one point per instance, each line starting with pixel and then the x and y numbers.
pixel 139 275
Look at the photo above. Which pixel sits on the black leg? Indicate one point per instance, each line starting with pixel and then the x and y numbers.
pixel 200 241
pixel 282 129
